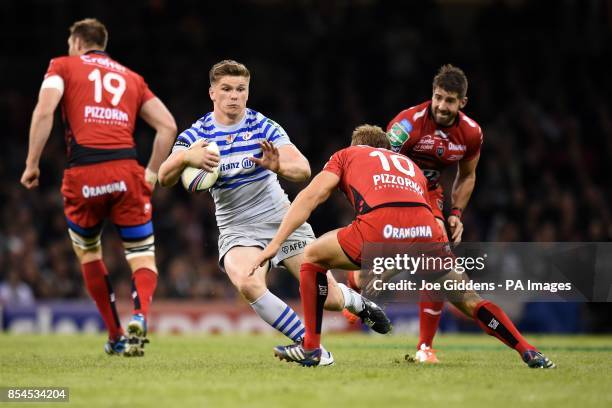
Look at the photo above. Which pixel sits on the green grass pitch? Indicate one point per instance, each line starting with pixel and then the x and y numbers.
pixel 240 371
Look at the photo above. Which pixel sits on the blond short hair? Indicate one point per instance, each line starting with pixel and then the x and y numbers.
pixel 227 68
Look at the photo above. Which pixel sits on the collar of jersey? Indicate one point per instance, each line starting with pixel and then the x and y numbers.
pixel 230 128
pixel 97 52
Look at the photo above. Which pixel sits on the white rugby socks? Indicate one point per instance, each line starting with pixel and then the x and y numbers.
pixel 279 315
pixel 352 299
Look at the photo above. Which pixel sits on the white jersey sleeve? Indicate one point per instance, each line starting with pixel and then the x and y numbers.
pixel 276 134
pixel 189 136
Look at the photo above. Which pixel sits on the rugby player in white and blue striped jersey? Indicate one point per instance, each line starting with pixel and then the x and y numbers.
pixel 249 201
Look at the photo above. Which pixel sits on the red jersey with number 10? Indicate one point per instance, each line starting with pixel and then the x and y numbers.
pixel 100 104
pixel 373 178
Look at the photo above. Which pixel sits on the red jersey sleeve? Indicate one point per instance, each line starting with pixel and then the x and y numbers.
pixel 404 130
pixel 396 119
pixel 336 163
pixel 146 93
pixel 473 143
pixel 57 66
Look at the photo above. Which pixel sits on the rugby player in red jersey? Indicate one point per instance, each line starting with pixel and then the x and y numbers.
pixel 388 192
pixel 436 135
pixel 100 100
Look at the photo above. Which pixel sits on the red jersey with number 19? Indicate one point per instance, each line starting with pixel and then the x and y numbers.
pixel 373 178
pixel 100 103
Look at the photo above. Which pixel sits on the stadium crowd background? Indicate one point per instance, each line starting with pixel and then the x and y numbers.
pixel 539 87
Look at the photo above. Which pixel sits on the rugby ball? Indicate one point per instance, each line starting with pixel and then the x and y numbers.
pixel 195 179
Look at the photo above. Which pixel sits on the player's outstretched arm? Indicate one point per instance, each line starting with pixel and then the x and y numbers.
pixel 40 129
pixel 462 190
pixel 317 192
pixel 293 165
pixel 155 113
pixel 286 161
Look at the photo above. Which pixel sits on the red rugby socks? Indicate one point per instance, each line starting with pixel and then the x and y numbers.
pixel 144 282
pixel 429 319
pixel 313 290
pixel 100 289
pixel 492 319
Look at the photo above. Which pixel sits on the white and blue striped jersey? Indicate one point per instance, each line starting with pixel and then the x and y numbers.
pixel 244 192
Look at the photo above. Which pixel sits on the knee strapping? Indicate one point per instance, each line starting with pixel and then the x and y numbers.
pixel 85 243
pixel 144 247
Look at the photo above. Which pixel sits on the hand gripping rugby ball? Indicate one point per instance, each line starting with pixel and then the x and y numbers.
pixel 195 179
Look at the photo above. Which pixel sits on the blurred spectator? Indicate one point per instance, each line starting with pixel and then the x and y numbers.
pixel 15 292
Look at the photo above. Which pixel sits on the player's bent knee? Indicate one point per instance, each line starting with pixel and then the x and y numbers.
pixel 86 248
pixel 251 288
pixel 140 262
pixel 471 301
pixel 89 255
pixel 312 254
pixel 84 243
pixel 468 303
